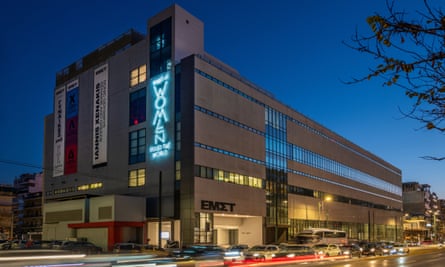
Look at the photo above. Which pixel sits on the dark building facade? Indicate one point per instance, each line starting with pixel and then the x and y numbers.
pixel 423 213
pixel 28 218
pixel 202 154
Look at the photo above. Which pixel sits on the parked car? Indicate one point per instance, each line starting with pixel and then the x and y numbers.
pixel 199 252
pixel 352 250
pixel 327 249
pixel 261 252
pixel 81 247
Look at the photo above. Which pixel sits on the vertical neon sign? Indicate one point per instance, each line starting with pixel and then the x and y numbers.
pixel 160 85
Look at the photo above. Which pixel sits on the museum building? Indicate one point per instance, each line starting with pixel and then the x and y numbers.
pixel 151 138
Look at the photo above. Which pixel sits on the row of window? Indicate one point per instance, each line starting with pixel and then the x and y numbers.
pixel 74 189
pixel 89 186
pixel 229 153
pixel 341 184
pixel 318 161
pixel 279 161
pixel 278 152
pixel 217 150
pixel 227 177
pixel 296 190
pixel 299 123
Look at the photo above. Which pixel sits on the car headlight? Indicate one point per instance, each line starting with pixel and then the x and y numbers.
pixel 372 249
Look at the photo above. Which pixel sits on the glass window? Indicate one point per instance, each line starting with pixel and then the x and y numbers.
pixel 136 178
pixel 160 47
pixel 138 107
pixel 138 75
pixel 137 146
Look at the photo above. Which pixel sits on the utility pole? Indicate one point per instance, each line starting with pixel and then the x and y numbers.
pixel 160 212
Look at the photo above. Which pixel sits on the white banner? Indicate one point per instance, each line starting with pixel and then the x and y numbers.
pixel 100 115
pixel 59 132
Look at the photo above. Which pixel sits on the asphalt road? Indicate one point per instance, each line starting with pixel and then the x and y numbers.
pixel 418 257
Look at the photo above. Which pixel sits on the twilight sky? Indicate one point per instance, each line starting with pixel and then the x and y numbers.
pixel 292 48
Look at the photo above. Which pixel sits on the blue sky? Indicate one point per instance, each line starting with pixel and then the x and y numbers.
pixel 291 48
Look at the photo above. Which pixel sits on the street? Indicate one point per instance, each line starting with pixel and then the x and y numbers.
pixel 425 256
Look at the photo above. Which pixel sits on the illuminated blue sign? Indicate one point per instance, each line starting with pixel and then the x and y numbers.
pixel 161 145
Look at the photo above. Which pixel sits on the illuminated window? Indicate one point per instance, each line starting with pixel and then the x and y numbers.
pixel 178 170
pixel 138 106
pixel 137 141
pixel 136 178
pixel 138 75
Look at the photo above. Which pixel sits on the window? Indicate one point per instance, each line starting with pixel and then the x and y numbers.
pixel 138 107
pixel 138 75
pixel 137 141
pixel 136 178
pixel 160 48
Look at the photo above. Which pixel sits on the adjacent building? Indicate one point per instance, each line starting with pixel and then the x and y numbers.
pixel 153 138
pixel 7 194
pixel 423 213
pixel 28 206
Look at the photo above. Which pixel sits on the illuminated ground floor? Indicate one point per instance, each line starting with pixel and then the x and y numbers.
pixel 221 219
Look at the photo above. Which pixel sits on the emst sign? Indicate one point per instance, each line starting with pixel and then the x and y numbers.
pixel 217 206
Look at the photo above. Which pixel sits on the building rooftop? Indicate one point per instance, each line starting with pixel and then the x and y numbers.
pixel 107 50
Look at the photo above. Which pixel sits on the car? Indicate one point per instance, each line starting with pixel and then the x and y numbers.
pixel 401 248
pixel 235 252
pixel 5 244
pixel 127 248
pixel 199 252
pixel 81 247
pixel 261 252
pixel 327 249
pixel 351 251
pixel 387 249
pixel 372 249
pixel 295 251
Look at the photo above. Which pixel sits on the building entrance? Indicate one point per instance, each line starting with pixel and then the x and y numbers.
pixel 238 229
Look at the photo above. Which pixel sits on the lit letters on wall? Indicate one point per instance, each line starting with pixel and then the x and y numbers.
pixel 161 143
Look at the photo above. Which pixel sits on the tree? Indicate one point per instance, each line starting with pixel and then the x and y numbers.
pixel 409 50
